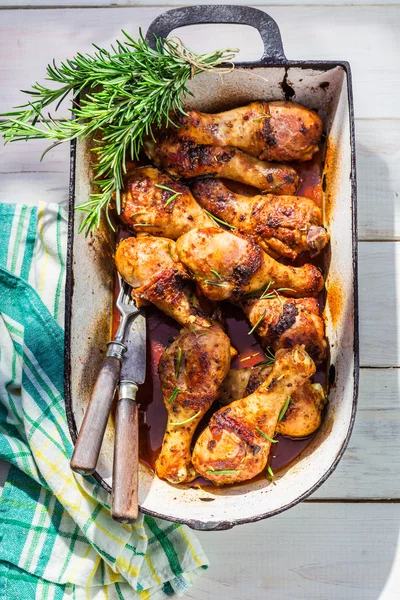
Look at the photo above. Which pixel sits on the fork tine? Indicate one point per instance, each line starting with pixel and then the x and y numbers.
pixel 127 293
pixel 121 289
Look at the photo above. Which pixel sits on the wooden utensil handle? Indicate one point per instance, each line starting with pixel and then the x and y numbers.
pixel 126 458
pixel 91 433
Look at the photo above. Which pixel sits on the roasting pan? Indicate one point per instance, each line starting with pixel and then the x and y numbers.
pixel 322 85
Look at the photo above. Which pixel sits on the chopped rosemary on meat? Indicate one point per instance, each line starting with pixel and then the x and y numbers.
pixel 130 89
pixel 258 290
pixel 266 436
pixel 223 472
pixel 217 283
pixel 188 420
pixel 173 192
pixel 165 187
pixel 143 225
pixel 268 361
pixel 284 408
pixel 266 295
pixel 174 395
pixel 261 117
pixel 217 220
pixel 141 212
pixel 248 357
pixel 258 322
pixel 216 274
pixel 170 251
pixel 178 363
pixel 271 474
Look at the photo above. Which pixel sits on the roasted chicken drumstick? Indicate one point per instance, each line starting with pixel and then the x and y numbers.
pixel 285 322
pixel 153 269
pixel 281 225
pixel 186 159
pixel 281 131
pixel 191 370
pixel 228 266
pixel 236 444
pixel 304 412
pixel 154 203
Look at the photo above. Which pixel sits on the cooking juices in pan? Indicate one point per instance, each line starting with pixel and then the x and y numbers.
pixel 162 329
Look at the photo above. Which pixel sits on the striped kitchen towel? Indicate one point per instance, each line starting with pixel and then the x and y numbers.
pixel 57 539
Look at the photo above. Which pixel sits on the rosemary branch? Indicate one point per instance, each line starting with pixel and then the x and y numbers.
pixel 126 92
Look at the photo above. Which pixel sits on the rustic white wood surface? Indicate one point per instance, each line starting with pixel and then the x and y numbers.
pixel 343 543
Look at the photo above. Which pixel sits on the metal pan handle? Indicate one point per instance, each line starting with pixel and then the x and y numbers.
pixel 223 13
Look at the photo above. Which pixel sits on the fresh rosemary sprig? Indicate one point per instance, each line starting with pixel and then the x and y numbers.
pixel 126 92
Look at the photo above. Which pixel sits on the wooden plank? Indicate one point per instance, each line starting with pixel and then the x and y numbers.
pixel 378 177
pixel 327 32
pixel 378 157
pixel 171 3
pixel 379 290
pixel 25 179
pixel 311 552
pixel 373 454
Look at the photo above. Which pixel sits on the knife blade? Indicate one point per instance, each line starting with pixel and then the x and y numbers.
pixel 134 361
pixel 124 504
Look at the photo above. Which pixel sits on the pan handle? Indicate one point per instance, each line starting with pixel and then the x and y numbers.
pixel 223 13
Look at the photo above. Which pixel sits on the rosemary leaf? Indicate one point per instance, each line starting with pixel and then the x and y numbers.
pixel 172 198
pixel 217 220
pixel 266 436
pixel 174 395
pixel 271 474
pixel 216 274
pixel 258 322
pixel 217 283
pixel 178 363
pixel 223 472
pixel 269 360
pixel 188 420
pixel 261 117
pixel 168 189
pixel 284 408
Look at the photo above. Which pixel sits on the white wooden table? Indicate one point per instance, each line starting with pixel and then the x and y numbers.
pixel 343 542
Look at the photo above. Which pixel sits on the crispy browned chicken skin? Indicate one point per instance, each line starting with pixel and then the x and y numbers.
pixel 304 413
pixel 281 225
pixel 191 371
pixel 153 269
pixel 233 447
pixel 154 210
pixel 281 131
pixel 286 322
pixel 228 266
pixel 186 159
